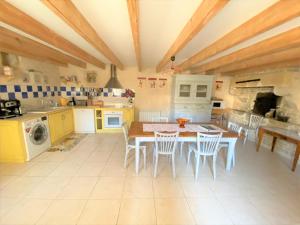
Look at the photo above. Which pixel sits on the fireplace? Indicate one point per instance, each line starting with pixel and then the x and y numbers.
pixel 264 102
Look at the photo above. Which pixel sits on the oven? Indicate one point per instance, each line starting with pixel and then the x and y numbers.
pixel 113 119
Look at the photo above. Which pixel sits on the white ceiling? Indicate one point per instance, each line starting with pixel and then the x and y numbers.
pixel 160 23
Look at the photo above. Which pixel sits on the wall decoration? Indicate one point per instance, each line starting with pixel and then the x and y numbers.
pixel 219 84
pixel 152 82
pixel 141 81
pixel 91 77
pixel 162 82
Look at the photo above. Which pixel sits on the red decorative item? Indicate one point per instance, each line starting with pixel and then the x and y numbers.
pixel 182 122
pixel 152 82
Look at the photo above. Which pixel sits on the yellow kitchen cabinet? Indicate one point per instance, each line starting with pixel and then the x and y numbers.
pixel 68 122
pixel 61 124
pixel 12 147
pixel 128 117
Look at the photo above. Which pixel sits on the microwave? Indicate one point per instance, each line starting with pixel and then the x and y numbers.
pixel 217 104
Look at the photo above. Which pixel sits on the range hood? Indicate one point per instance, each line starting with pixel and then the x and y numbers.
pixel 113 81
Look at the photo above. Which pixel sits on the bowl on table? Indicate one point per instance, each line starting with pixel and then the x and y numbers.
pixel 182 122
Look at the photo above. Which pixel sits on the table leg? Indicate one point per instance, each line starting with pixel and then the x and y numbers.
pixel 230 154
pixel 260 138
pixel 296 157
pixel 137 155
pixel 273 143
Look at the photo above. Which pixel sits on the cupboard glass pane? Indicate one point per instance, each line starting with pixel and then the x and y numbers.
pixel 201 91
pixel 184 90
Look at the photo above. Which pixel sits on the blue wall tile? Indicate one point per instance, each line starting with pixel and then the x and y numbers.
pixel 24 95
pixel 17 88
pixel 11 96
pixel 63 88
pixel 29 88
pixel 40 88
pixel 35 94
pixel 72 88
pixel 44 94
pixel 68 93
pixel 3 88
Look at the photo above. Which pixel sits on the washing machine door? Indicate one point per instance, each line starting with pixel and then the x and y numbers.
pixel 38 134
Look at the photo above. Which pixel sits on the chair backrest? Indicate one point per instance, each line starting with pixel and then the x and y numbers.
pixel 255 121
pixel 160 119
pixel 165 143
pixel 235 128
pixel 207 144
pixel 125 132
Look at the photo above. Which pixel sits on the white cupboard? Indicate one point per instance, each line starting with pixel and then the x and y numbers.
pixel 84 120
pixel 192 97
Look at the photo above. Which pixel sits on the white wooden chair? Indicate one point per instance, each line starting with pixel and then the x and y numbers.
pixel 165 144
pixel 182 142
pixel 130 145
pixel 234 127
pixel 160 119
pixel 207 145
pixel 253 125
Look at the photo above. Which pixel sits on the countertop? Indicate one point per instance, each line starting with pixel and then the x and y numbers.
pixel 45 112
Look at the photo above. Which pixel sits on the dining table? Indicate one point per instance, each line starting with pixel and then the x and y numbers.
pixel 138 132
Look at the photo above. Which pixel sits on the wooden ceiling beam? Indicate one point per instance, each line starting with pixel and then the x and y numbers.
pixel 277 57
pixel 13 42
pixel 283 41
pixel 273 16
pixel 204 13
pixel 276 65
pixel 18 19
pixel 68 12
pixel 133 10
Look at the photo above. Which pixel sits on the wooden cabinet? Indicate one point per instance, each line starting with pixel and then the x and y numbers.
pixel 60 124
pixel 128 117
pixel 192 88
pixel 12 147
pixel 192 97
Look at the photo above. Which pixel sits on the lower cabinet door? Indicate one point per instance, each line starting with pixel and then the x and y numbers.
pixel 56 127
pixel 68 121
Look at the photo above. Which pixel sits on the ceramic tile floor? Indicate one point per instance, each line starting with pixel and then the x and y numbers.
pixel 89 186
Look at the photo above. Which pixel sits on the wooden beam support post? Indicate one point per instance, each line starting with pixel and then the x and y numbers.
pixel 283 41
pixel 204 13
pixel 18 19
pixel 68 12
pixel 133 10
pixel 14 43
pixel 277 14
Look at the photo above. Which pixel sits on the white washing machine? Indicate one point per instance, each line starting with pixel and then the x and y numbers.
pixel 36 136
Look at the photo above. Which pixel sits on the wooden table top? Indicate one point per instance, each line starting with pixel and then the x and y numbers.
pixel 136 130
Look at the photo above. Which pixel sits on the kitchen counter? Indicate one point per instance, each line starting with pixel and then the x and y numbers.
pixel 46 111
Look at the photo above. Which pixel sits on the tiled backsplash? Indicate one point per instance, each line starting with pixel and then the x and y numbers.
pixel 16 91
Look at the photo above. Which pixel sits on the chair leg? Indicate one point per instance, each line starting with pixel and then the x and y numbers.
pixel 173 165
pixel 197 158
pixel 181 149
pixel 204 160
pixel 214 166
pixel 155 166
pixel 145 159
pixel 189 156
pixel 125 160
pixel 246 136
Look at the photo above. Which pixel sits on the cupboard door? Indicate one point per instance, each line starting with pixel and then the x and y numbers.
pixel 56 127
pixel 201 90
pixel 68 122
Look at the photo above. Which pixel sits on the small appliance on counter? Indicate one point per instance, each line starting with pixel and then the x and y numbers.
pixel 10 108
